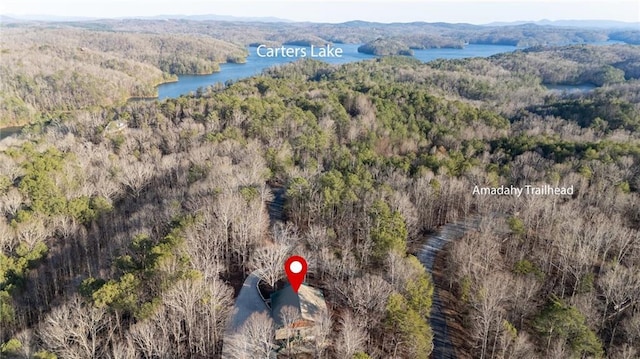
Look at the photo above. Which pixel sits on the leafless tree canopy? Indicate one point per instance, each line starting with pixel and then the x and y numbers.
pixel 126 229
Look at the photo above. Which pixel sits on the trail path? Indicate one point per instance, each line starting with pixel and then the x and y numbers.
pixel 443 348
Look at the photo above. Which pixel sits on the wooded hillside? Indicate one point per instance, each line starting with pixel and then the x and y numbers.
pixel 128 242
pixel 102 63
pixel 59 68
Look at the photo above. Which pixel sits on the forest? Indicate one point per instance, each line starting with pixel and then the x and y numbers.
pixel 132 242
pixel 57 67
pixel 49 69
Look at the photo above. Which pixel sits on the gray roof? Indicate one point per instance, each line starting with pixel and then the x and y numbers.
pixel 309 302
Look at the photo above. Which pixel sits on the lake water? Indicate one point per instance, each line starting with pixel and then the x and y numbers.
pixel 570 89
pixel 471 50
pixel 8 131
pixel 255 65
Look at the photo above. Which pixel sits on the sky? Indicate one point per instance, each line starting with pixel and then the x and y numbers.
pixel 468 11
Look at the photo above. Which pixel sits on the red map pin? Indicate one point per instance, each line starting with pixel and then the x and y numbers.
pixel 296 269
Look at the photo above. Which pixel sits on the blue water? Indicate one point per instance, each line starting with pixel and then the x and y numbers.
pixel 8 131
pixel 472 50
pixel 569 89
pixel 256 64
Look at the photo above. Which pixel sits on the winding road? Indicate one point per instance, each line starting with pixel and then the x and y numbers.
pixel 442 346
pixel 249 300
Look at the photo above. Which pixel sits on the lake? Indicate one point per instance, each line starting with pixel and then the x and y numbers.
pixel 256 64
pixel 569 89
pixel 8 131
pixel 471 50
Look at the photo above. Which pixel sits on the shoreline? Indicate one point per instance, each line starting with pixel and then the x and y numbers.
pixel 20 125
pixel 7 131
pixel 177 79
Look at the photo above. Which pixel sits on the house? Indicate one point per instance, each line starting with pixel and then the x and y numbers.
pixel 115 126
pixel 296 315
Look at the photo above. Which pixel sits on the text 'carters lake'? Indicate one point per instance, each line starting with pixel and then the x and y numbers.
pixel 326 51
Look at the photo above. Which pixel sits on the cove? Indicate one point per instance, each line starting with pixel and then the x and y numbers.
pixel 8 131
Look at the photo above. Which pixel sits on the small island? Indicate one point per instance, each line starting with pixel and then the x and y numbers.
pixel 385 47
pixel 404 45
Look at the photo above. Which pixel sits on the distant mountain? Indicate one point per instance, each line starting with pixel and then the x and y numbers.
pixel 6 19
pixel 601 24
pixel 48 18
pixel 208 17
pixel 595 24
pixel 212 17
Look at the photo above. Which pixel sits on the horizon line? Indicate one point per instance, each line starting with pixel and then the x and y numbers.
pixel 275 19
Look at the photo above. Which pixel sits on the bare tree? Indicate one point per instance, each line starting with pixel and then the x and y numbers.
pixel 151 337
pixel 632 328
pixel 522 347
pixel 558 350
pixel 621 290
pixel 29 343
pixel 351 339
pixel 205 241
pixel 182 302
pixel 401 268
pixel 237 347
pixel 288 316
pixel 286 234
pixel 102 179
pixel 65 226
pixel 475 254
pixel 76 330
pixel 368 297
pixel 7 237
pixel 253 167
pixel 197 310
pixel 11 202
pixel 395 265
pixel 248 227
pixel 402 202
pixel 226 209
pixel 123 349
pixel 10 168
pixel 320 335
pixel 216 312
pixel 316 246
pixel 625 351
pixel 316 238
pixel 254 340
pixel 489 312
pixel 269 261
pixel 135 175
pixel 33 231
